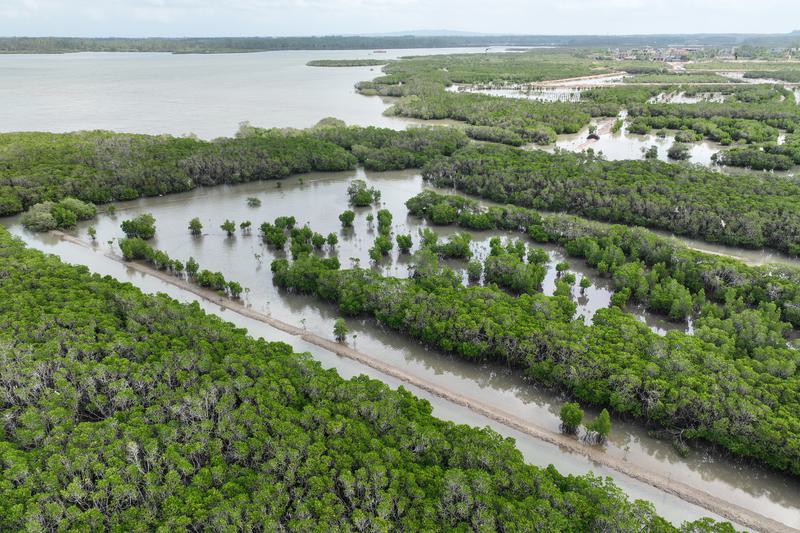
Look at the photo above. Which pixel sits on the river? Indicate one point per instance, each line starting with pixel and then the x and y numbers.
pixel 206 95
pixel 317 199
pixel 209 95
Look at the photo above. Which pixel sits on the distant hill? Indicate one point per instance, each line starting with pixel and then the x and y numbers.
pixel 426 33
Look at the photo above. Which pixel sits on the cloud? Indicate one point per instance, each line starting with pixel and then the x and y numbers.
pixel 315 17
pixel 19 8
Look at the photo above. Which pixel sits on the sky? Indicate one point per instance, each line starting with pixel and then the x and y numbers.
pixel 194 18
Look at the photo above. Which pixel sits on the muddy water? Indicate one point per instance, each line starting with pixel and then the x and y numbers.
pixel 540 94
pixel 566 90
pixel 681 97
pixel 625 145
pixel 760 256
pixel 317 200
pixel 739 76
pixel 208 95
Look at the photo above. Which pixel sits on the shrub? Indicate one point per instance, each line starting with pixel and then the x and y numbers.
pixel 346 218
pixel 66 213
pixel 679 152
pixel 601 425
pixel 404 242
pixel 143 226
pixel 571 417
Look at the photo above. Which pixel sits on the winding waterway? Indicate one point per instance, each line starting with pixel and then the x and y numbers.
pixel 209 95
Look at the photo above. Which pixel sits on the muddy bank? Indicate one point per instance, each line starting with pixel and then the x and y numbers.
pixel 603 128
pixel 566 443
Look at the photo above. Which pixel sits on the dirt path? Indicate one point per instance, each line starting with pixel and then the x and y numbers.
pixel 728 510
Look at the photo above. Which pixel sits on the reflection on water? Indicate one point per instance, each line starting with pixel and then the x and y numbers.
pixel 317 200
pixel 625 145
pixel 539 94
pixel 680 97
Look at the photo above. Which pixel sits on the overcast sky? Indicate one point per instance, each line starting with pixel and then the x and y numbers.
pixel 172 18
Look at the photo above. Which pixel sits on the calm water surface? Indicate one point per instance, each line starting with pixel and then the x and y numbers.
pixel 208 95
pixel 625 145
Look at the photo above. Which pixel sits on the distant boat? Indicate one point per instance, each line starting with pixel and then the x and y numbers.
pixel 379 51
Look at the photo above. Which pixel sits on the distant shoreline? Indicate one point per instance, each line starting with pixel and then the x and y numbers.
pixel 226 45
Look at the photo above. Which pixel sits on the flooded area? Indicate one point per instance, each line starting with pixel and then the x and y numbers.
pixel 621 144
pixel 738 75
pixel 317 199
pixel 539 94
pixel 625 145
pixel 680 97
pixel 755 257
pixel 566 90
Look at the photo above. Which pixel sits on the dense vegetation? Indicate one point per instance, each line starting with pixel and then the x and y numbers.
pixel 102 166
pixel 747 210
pixel 773 62
pixel 423 82
pixel 498 68
pixel 126 411
pixel 387 149
pixel 768 156
pixel 510 118
pixel 360 195
pixel 750 113
pixel 750 116
pixel 623 95
pixel 65 213
pixel 734 94
pixel 140 227
pixel 135 248
pixel 686 385
pixel 675 78
pixel 790 75
pixel 755 158
pixel 201 45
